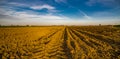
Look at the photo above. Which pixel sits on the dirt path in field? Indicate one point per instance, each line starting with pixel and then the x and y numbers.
pixel 65 46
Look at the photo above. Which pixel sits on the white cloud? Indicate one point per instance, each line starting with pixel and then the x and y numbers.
pixel 34 6
pixel 11 16
pixel 45 6
pixel 40 7
pixel 36 16
pixel 32 18
pixel 18 4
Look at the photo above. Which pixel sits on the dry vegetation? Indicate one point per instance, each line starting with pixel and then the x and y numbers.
pixel 60 42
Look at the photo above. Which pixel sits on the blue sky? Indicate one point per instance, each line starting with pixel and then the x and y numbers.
pixel 59 12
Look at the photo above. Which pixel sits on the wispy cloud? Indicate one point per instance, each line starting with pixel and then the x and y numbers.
pixel 27 17
pixel 40 7
pixel 35 7
pixel 45 6
pixel 36 16
pixel 18 4
pixel 85 15
pixel 9 15
pixel 29 14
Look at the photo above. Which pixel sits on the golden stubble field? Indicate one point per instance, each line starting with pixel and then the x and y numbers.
pixel 60 42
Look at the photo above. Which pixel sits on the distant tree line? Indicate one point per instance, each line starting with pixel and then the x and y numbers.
pixel 14 25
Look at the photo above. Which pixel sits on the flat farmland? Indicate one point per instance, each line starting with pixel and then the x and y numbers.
pixel 60 42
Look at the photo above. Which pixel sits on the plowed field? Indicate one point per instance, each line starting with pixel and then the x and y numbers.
pixel 60 42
